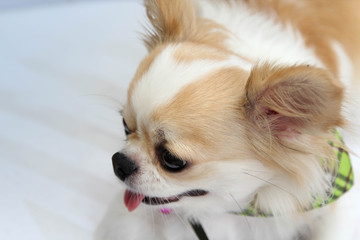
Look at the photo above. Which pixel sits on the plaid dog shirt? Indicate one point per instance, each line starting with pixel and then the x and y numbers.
pixel 341 183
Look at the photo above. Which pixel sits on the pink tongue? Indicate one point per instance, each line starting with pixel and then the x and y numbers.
pixel 132 200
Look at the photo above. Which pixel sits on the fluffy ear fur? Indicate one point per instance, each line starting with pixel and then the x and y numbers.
pixel 172 20
pixel 290 111
pixel 176 21
pixel 289 101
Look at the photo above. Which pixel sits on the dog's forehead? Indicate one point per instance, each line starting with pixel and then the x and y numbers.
pixel 167 74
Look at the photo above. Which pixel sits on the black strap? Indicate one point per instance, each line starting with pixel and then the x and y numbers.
pixel 199 230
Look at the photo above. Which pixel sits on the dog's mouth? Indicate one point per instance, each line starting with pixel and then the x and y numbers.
pixel 158 201
pixel 132 200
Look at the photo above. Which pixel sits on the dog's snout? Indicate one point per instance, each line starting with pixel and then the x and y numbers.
pixel 123 166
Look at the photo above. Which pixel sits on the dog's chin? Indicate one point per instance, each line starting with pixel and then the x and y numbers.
pixel 133 199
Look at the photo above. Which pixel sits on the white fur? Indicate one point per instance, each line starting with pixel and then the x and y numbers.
pixel 147 223
pixel 347 76
pixel 166 77
pixel 260 38
pixel 344 64
pixel 223 193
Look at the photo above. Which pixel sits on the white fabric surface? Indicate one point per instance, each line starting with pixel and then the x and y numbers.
pixel 64 71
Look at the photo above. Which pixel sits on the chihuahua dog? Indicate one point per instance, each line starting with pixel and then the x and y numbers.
pixel 230 120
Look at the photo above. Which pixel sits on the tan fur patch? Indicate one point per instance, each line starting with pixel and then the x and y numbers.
pixel 320 22
pixel 171 22
pixel 177 22
pixel 203 114
pixel 188 52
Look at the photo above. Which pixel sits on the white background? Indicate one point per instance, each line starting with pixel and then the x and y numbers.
pixel 64 71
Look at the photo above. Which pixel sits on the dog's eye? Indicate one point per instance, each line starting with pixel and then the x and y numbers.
pixel 126 128
pixel 172 163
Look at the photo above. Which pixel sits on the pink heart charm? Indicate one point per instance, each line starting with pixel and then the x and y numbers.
pixel 165 210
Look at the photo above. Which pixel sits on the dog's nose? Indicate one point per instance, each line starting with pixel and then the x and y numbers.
pixel 123 166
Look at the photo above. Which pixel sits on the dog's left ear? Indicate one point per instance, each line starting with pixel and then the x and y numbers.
pixel 171 20
pixel 291 100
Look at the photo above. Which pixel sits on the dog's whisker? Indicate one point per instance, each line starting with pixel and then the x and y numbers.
pixel 186 225
pixel 153 221
pixel 104 96
pixel 241 210
pixel 270 183
pixel 163 217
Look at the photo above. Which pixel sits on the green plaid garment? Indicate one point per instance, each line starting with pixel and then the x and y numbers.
pixel 343 181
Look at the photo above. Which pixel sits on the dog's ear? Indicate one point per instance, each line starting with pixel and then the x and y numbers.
pixel 288 101
pixel 171 20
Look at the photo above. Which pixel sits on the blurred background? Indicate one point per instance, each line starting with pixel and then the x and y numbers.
pixel 10 4
pixel 64 71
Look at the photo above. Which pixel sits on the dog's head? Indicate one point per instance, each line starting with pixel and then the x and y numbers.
pixel 206 127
